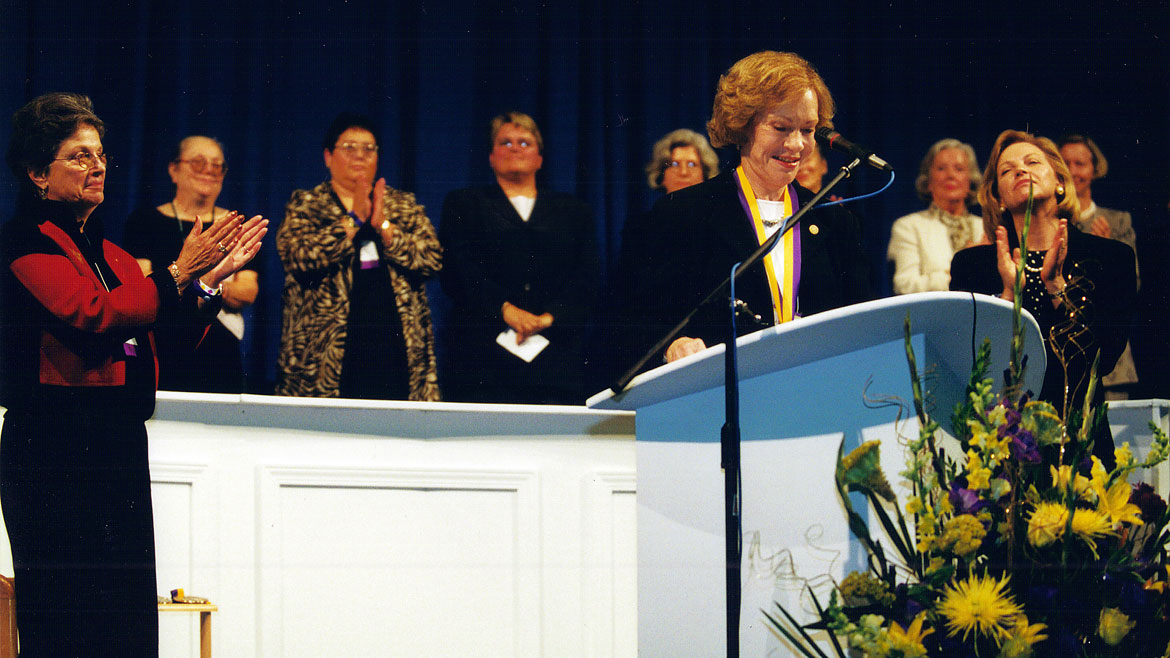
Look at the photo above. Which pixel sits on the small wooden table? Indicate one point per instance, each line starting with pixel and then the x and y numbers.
pixel 204 610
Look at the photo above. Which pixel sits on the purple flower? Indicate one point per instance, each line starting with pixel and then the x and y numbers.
pixel 1133 599
pixel 1024 447
pixel 965 501
pixel 1012 416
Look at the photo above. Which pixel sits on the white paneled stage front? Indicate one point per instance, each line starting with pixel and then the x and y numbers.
pixel 353 528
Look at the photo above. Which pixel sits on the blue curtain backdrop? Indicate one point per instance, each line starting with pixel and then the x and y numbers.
pixel 603 79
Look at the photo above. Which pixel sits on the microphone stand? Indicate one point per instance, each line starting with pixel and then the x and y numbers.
pixel 729 436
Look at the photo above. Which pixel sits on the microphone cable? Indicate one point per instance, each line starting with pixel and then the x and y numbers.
pixel 863 196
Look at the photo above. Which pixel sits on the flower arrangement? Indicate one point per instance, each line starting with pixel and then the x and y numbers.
pixel 1023 543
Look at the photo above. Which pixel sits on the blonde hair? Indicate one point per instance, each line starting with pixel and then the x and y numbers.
pixel 1067 206
pixel 660 155
pixel 922 183
pixel 754 83
pixel 520 119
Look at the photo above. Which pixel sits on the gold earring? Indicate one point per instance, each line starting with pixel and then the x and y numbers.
pixel 1059 190
pixel 42 192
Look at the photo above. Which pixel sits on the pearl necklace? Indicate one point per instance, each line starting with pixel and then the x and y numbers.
pixel 1034 269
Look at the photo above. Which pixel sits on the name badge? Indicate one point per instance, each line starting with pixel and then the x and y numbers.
pixel 368 254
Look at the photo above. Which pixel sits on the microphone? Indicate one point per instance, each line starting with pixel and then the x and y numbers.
pixel 835 141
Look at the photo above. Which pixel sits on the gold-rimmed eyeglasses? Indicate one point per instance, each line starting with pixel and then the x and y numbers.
pixel 201 164
pixel 355 148
pixel 85 160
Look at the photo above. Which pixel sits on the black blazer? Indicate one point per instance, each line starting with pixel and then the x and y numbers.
pixel 1102 281
pixel 546 264
pixel 705 231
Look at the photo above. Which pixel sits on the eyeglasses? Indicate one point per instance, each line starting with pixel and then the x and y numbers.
pixel 520 143
pixel 674 164
pixel 354 148
pixel 86 160
pixel 200 165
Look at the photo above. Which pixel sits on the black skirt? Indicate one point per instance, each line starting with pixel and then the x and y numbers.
pixel 75 489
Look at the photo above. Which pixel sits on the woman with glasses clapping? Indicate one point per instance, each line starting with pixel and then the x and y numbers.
pixel 357 254
pixel 77 380
pixel 155 235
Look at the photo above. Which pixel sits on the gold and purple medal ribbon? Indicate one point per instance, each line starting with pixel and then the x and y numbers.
pixel 783 292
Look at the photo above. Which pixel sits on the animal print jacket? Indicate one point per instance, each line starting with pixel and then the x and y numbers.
pixel 318 263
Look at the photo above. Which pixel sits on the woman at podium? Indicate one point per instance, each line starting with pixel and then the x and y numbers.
pixel 767 107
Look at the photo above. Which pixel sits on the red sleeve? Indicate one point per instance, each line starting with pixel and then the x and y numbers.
pixel 76 298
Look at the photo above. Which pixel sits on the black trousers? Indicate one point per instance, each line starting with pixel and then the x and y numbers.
pixel 75 490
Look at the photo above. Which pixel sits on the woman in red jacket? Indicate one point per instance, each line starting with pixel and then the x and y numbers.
pixel 78 380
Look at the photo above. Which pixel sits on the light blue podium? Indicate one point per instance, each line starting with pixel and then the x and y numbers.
pixel 804 387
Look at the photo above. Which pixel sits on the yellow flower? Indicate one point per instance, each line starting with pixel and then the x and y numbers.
pixel 1098 474
pixel 1115 504
pixel 913 505
pixel 936 564
pixel 978 477
pixel 998 415
pixel 1113 625
pixel 997 449
pixel 926 537
pixel 1060 479
pixel 945 506
pixel 979 434
pixel 962 535
pixel 861 469
pixel 978 604
pixel 1021 637
pixel 1123 455
pixel 859 588
pixel 909 641
pixel 1046 524
pixel 1159 586
pixel 1090 525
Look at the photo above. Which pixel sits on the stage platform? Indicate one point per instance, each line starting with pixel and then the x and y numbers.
pixel 353 528
pixel 341 527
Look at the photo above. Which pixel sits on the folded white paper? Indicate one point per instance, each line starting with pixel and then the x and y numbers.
pixel 527 350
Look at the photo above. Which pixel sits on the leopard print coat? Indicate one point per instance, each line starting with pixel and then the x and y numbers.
pixel 318 263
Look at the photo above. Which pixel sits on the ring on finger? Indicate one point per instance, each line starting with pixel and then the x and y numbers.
pixel 222 249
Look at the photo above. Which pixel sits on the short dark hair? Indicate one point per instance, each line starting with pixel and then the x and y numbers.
pixel 344 122
pixel 39 128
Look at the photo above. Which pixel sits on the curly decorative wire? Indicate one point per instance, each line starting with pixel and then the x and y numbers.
pixel 1072 340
